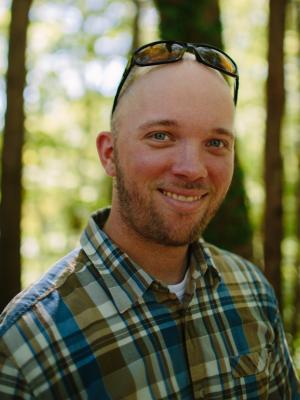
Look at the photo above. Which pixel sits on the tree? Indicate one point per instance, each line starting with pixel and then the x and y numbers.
pixel 136 41
pixel 273 224
pixel 11 187
pixel 199 21
pixel 295 322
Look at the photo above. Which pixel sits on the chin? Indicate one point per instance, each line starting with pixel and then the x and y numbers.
pixel 179 239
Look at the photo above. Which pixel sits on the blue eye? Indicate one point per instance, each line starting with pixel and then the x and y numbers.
pixel 160 136
pixel 216 143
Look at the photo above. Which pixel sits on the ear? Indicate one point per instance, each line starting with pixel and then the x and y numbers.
pixel 105 148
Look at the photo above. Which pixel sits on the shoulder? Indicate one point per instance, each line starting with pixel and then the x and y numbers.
pixel 48 284
pixel 231 263
pixel 242 275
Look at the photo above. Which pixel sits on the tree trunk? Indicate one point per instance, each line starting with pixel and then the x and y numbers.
pixel 194 21
pixel 199 21
pixel 273 225
pixel 11 187
pixel 136 40
pixel 295 325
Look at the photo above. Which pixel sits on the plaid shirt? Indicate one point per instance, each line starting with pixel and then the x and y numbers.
pixel 97 326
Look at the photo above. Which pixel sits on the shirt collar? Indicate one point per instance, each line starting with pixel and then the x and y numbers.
pixel 202 265
pixel 127 281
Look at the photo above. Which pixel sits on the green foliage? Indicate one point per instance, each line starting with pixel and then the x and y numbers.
pixel 72 75
pixel 77 51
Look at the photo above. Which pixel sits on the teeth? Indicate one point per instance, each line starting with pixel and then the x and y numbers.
pixel 180 197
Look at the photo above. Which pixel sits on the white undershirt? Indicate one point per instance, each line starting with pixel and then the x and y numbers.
pixel 179 288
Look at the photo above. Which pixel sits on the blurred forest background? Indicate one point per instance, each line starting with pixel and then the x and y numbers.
pixel 60 63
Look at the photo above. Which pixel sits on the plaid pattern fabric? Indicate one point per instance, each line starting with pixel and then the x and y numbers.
pixel 97 326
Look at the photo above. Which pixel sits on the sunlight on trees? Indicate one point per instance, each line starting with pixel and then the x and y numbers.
pixel 74 70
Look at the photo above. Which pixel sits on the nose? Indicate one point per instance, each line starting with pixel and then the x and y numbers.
pixel 189 163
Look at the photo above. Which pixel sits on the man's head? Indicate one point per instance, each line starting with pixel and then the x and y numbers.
pixel 170 51
pixel 172 152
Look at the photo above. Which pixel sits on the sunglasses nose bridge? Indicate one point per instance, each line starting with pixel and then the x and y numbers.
pixel 190 48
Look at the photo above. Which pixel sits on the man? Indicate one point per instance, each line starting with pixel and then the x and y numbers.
pixel 145 309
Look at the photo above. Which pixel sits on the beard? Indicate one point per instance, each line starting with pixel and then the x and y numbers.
pixel 140 214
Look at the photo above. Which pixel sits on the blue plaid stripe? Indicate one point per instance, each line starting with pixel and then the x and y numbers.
pixel 97 326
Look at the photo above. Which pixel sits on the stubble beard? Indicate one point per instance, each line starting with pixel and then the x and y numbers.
pixel 142 216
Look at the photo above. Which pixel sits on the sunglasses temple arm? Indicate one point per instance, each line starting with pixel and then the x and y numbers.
pixel 123 79
pixel 236 89
pixel 117 93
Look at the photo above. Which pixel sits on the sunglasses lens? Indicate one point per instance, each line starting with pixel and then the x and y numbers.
pixel 216 59
pixel 159 52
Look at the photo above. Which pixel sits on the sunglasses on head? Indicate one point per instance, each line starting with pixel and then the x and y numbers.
pixel 169 51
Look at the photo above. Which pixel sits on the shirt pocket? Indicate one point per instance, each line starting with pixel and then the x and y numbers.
pixel 250 363
pixel 239 377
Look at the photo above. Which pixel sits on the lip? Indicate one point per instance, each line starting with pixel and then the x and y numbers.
pixel 180 196
pixel 186 192
pixel 183 200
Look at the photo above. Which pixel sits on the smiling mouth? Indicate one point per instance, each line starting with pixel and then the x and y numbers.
pixel 180 197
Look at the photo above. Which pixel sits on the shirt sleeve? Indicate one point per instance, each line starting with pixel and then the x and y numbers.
pixel 12 382
pixel 284 383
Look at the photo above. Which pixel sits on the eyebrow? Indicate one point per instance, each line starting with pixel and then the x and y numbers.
pixel 223 131
pixel 162 122
pixel 174 123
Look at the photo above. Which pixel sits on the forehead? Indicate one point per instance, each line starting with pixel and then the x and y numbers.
pixel 185 86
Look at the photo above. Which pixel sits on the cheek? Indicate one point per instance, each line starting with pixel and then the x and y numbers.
pixel 220 173
pixel 145 165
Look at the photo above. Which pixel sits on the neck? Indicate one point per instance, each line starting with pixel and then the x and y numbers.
pixel 165 263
